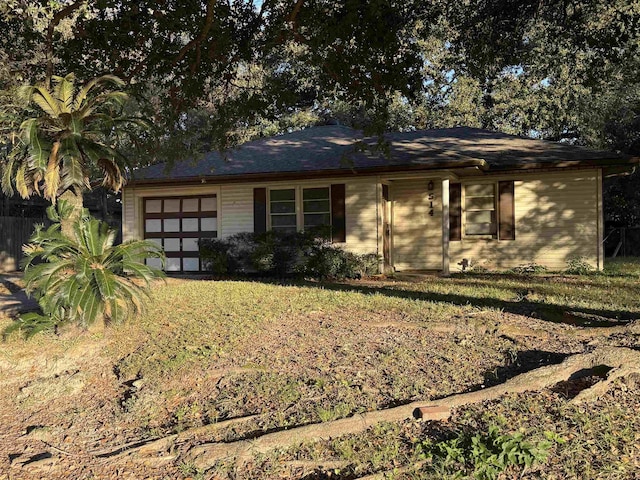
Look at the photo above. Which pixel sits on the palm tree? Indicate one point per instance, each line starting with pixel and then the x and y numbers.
pixel 83 277
pixel 72 139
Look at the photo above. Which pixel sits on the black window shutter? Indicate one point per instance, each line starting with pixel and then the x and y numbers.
pixel 259 210
pixel 507 221
pixel 455 212
pixel 338 216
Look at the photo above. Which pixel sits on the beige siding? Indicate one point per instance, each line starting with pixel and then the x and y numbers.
pixel 362 216
pixel 129 226
pixel 236 208
pixel 417 236
pixel 558 216
pixel 556 219
pixel 236 205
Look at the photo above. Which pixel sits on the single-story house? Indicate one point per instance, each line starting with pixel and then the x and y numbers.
pixel 433 200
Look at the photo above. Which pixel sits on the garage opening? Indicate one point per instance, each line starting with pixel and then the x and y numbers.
pixel 176 224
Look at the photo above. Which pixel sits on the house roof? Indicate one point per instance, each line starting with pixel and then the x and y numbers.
pixel 334 149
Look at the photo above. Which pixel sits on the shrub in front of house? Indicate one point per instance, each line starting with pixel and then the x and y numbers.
pixel 284 254
pixel 579 266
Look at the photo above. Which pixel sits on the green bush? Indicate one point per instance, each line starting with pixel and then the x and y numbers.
pixel 485 455
pixel 285 254
pixel 578 266
pixel 215 255
pixel 83 278
pixel 528 269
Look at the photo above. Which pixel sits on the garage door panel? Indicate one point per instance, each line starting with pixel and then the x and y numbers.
pixel 171 244
pixel 191 264
pixel 153 226
pixel 171 225
pixel 190 244
pixel 171 206
pixel 190 225
pixel 208 204
pixel 191 205
pixel 153 206
pixel 177 224
pixel 209 224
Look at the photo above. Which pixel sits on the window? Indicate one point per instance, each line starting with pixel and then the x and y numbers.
pixel 295 209
pixel 283 210
pixel 316 207
pixel 480 209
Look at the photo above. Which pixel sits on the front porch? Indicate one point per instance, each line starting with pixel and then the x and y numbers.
pixel 416 224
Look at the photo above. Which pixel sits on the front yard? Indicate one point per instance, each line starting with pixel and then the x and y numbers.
pixel 291 355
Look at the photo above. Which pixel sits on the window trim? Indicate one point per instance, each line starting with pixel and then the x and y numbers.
pixel 295 204
pixel 299 203
pixel 328 200
pixel 496 211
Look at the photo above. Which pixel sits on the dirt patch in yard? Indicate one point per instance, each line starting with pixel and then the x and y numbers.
pixel 284 356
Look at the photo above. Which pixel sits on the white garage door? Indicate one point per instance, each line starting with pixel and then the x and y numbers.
pixel 176 224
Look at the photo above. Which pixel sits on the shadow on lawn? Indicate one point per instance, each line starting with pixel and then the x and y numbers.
pixel 524 361
pixel 544 311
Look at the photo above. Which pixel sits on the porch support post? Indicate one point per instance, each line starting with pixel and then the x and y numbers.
pixel 445 227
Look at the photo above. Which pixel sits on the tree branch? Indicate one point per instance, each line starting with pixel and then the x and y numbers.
pixel 197 41
pixel 294 14
pixel 55 21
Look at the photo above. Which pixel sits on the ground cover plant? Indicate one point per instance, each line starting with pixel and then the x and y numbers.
pixel 222 361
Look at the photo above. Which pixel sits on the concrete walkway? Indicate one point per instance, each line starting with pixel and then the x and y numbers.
pixel 16 301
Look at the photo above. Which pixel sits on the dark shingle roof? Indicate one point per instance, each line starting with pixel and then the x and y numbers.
pixel 331 149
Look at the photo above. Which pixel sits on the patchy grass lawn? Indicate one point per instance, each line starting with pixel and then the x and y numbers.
pixel 291 355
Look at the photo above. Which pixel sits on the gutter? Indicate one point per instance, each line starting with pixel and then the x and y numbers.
pixel 249 177
pixel 628 163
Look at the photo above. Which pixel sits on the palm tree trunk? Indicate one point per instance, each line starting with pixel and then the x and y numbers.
pixel 76 201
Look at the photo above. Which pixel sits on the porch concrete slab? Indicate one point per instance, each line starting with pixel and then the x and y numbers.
pixel 416 276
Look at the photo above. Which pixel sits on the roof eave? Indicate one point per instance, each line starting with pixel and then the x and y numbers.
pixel 624 163
pixel 254 177
pixel 612 166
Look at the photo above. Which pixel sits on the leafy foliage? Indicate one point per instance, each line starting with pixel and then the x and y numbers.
pixel 284 254
pixel 86 277
pixel 579 266
pixel 66 141
pixel 528 268
pixel 485 455
pixel 235 67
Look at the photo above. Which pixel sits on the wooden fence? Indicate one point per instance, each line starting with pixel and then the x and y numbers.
pixel 15 232
pixel 623 242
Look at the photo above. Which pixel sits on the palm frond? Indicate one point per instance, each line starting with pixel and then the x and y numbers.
pixel 63 91
pixel 52 174
pixel 117 98
pixel 8 170
pixel 39 148
pixel 21 181
pixel 43 98
pixel 86 89
pixel 113 178
pixel 24 93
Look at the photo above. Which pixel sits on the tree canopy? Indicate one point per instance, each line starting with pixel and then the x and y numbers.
pixel 212 73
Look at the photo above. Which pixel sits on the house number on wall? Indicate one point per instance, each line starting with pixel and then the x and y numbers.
pixel 431 198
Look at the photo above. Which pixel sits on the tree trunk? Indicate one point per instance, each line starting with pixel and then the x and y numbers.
pixel 75 201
